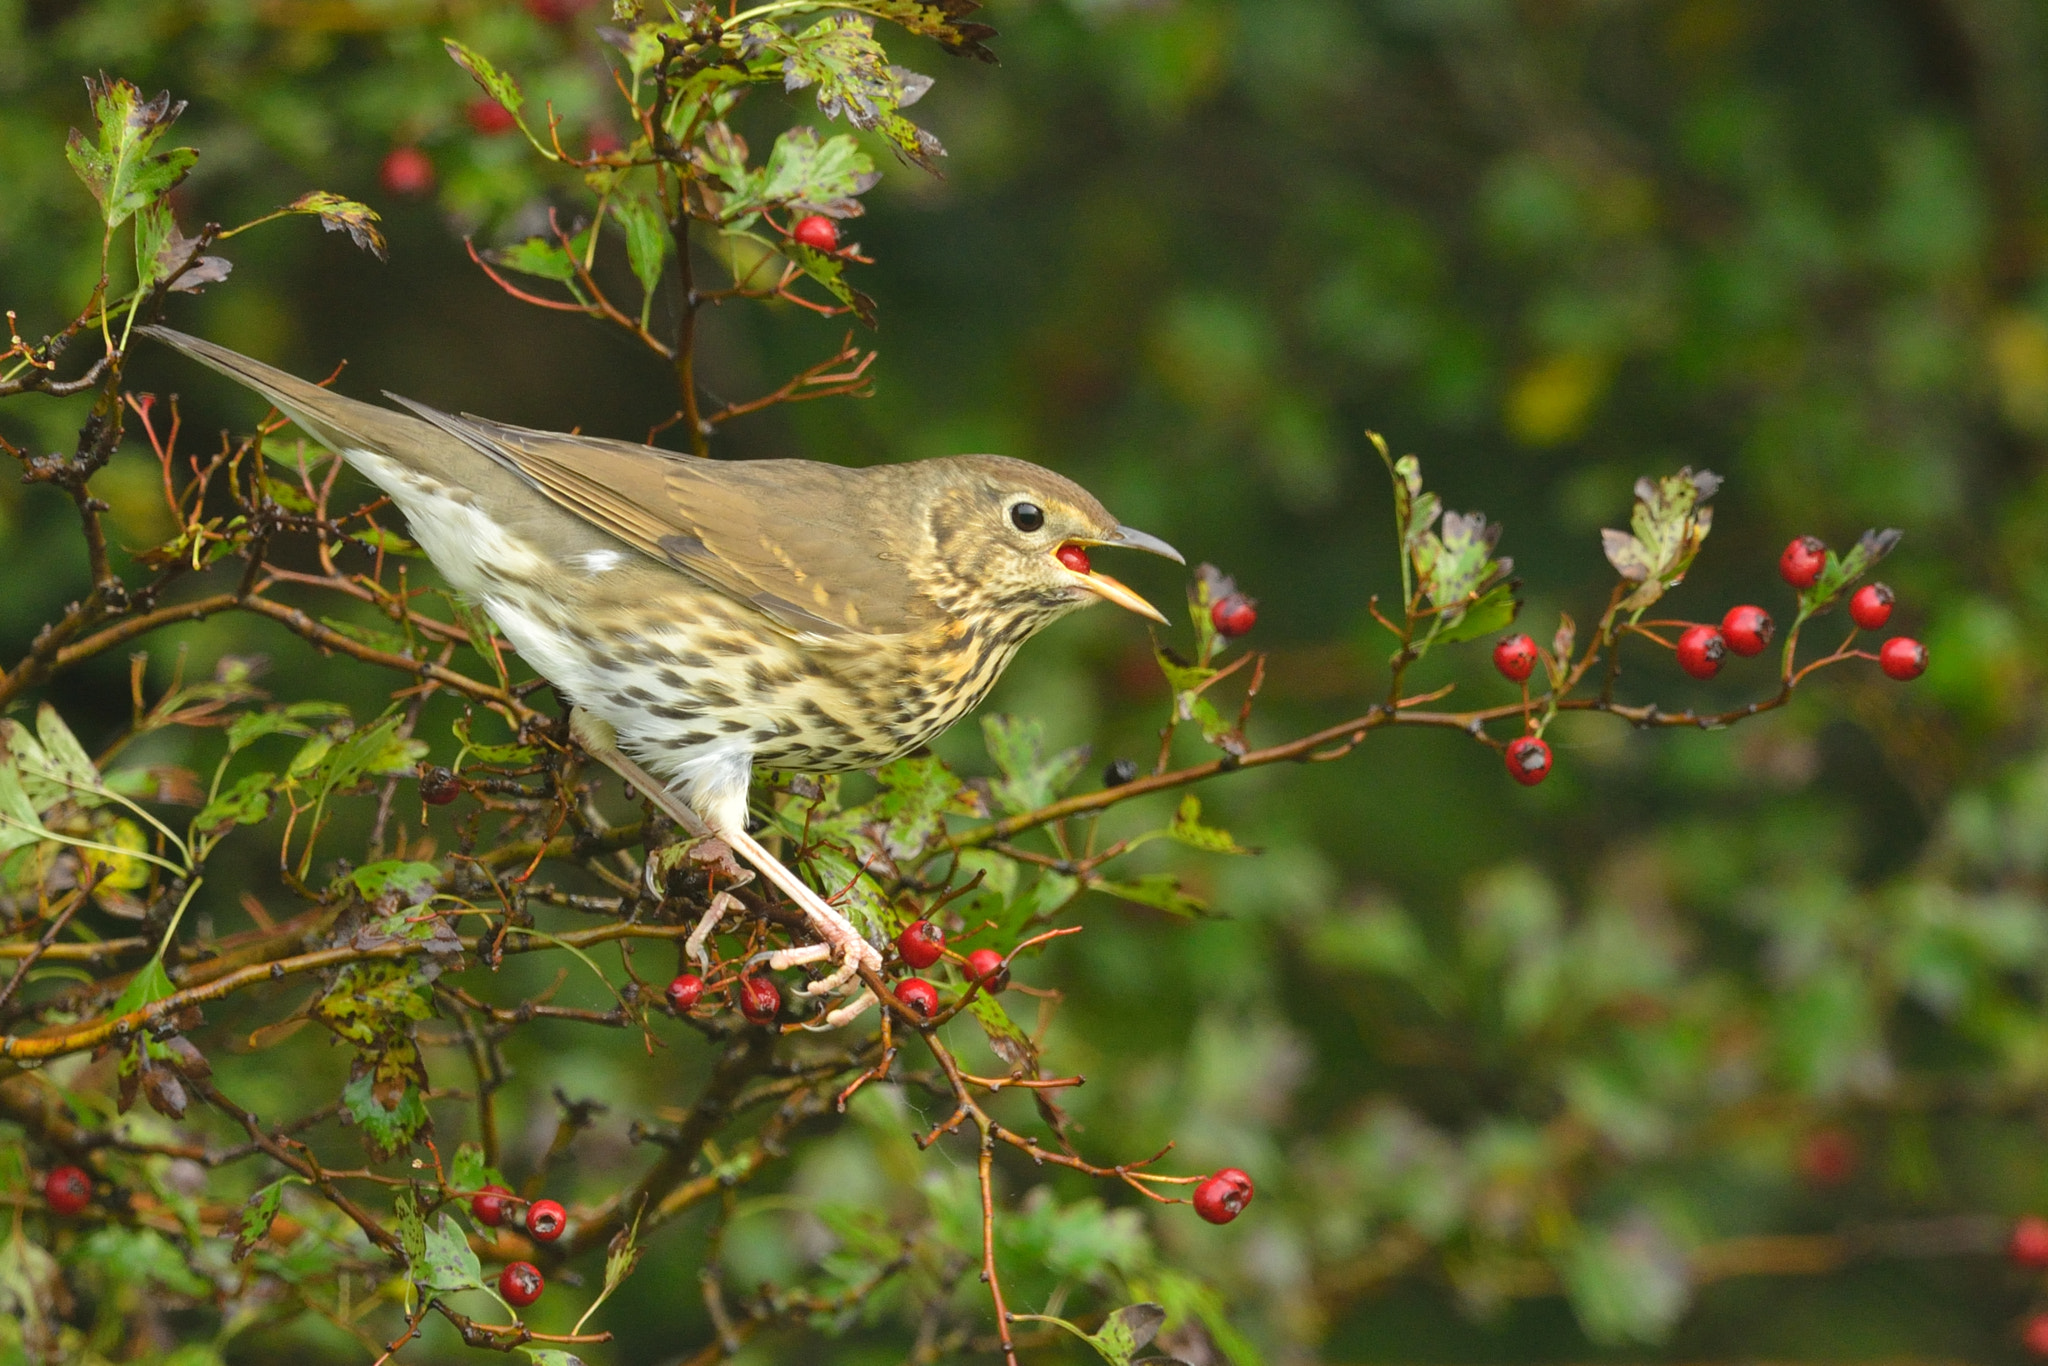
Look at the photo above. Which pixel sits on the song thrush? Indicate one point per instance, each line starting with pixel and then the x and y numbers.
pixel 704 616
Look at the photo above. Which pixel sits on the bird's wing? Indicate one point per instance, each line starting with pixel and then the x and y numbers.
pixel 798 539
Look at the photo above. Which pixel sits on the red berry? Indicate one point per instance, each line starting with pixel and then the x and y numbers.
pixel 439 786
pixel 490 118
pixel 817 232
pixel 1515 657
pixel 556 11
pixel 406 171
pixel 1073 557
pixel 1234 614
pixel 921 944
pixel 987 967
pixel 1903 658
pixel 921 996
pixel 2034 1333
pixel 760 999
pixel 1700 650
pixel 684 991
pixel 603 142
pixel 521 1284
pixel 545 1220
pixel 1747 630
pixel 2029 1243
pixel 490 1205
pixel 1872 606
pixel 67 1190
pixel 1222 1197
pixel 1528 760
pixel 1803 560
pixel 1829 1157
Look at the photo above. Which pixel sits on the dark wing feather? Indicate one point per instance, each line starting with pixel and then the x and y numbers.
pixel 802 541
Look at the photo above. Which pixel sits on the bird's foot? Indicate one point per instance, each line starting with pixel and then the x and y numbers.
pixel 721 902
pixel 846 1014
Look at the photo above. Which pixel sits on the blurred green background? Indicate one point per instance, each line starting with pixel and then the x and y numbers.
pixel 1595 1070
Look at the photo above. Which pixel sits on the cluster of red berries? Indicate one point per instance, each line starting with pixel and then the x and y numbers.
pixel 1745 630
pixel 521 1282
pixel 2028 1248
pixel 1870 607
pixel 760 1000
pixel 921 944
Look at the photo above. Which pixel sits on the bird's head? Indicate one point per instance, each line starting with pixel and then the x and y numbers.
pixel 1015 538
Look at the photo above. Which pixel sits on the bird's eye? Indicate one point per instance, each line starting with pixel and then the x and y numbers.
pixel 1027 516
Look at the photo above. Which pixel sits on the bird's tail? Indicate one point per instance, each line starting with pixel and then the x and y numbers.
pixel 336 421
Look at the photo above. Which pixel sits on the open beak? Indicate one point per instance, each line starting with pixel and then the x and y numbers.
pixel 1111 590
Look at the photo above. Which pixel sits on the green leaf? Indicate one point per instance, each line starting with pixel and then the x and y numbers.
pixel 647 239
pixel 447 1262
pixel 386 1129
pixel 121 166
pixel 1005 1036
pixel 1159 890
pixel 816 177
pixel 246 802
pixel 1494 610
pixel 468 1171
pixel 337 214
pixel 510 756
pixel 154 229
pixel 1670 523
pixel 1122 1334
pixel 542 256
pixel 1187 828
pixel 496 83
pixel 253 1226
pixel 1841 571
pixel 149 984
pixel 412 881
pixel 830 272
pixel 916 794
pixel 1031 778
pixel 551 1356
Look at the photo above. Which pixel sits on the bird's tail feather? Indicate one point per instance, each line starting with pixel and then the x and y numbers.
pixel 335 420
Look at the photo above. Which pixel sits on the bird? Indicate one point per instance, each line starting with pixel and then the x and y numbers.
pixel 705 616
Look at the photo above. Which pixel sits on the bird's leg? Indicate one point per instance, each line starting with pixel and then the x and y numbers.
pixel 779 959
pixel 853 952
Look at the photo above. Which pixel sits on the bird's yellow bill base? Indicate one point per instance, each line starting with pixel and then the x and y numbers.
pixel 1110 590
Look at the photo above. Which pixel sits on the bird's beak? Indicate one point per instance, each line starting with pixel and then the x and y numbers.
pixel 1103 586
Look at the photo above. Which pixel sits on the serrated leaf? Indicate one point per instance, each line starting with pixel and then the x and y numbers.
pixel 1161 891
pixel 1031 778
pixel 495 83
pixel 121 166
pixel 816 177
pixel 64 762
pixel 830 272
pixel 337 214
pixel 1187 828
pixel 853 76
pixel 414 882
pixel 916 793
pixel 246 802
pixel 1667 528
pixel 467 1170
